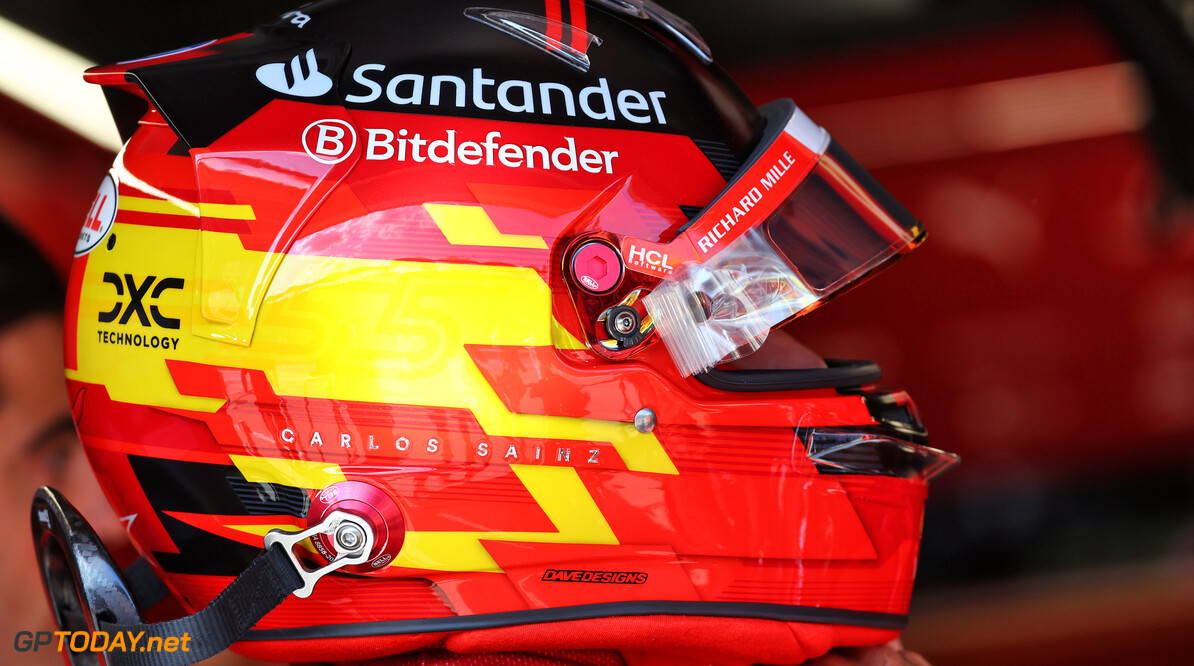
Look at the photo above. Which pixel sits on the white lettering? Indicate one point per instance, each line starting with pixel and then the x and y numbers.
pixel 416 89
pixel 590 160
pixel 288 435
pixel 609 160
pixel 531 151
pixel 402 443
pixel 510 155
pixel 297 18
pixel 416 143
pixel 469 152
pixel 460 85
pixel 630 101
pixel 331 140
pixel 657 259
pixel 598 102
pixel 565 92
pixel 432 445
pixel 490 146
pixel 657 103
pixel 528 98
pixel 479 83
pixel 602 91
pixel 374 87
pixel 379 139
pixel 449 146
pixel 641 255
pixel 568 152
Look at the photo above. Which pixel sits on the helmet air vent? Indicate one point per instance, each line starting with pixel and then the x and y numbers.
pixel 564 41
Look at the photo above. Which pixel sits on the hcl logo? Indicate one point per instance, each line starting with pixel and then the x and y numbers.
pixel 151 285
pixel 653 259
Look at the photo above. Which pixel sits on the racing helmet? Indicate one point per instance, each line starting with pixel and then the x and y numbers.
pixel 439 303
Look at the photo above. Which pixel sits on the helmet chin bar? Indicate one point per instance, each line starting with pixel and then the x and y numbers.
pixel 89 593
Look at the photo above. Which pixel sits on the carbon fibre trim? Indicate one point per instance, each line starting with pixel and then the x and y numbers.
pixel 591 611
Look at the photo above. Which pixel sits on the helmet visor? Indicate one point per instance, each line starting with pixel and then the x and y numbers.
pixel 801 223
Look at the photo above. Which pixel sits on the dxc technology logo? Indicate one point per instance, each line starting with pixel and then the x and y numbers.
pixel 136 295
pixel 296 80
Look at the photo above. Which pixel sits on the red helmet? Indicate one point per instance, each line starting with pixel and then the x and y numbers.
pixel 458 290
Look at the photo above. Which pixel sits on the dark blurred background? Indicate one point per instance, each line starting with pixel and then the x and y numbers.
pixel 1046 330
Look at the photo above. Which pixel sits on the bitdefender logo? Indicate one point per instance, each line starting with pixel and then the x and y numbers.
pixel 297 79
pixel 330 140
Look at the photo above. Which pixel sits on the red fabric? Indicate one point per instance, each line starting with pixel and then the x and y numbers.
pixel 659 640
pixel 554 658
pixel 640 641
pixel 335 649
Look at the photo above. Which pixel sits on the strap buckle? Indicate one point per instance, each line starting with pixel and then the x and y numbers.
pixel 353 538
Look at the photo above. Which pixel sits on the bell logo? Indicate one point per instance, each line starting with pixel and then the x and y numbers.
pixel 99 218
pixel 329 140
pixel 296 80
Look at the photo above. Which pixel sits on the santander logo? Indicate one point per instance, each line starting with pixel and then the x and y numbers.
pixel 301 78
pixel 372 83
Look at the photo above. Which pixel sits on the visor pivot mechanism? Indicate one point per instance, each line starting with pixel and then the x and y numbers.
pixel 353 538
pixel 596 267
pixel 623 323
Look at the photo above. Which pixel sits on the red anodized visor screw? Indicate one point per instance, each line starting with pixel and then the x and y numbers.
pixel 596 267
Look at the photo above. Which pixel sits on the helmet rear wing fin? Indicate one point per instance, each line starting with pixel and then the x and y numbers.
pixel 206 90
pixel 127 99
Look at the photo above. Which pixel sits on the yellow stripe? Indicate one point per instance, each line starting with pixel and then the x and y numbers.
pixel 186 208
pixel 567 504
pixel 297 473
pixel 262 530
pixel 562 339
pixel 643 453
pixel 561 494
pixel 470 225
